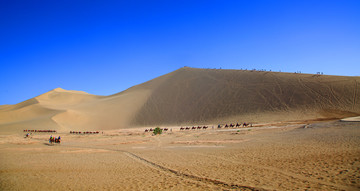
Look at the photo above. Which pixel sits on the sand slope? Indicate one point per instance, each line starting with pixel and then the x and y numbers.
pixel 191 96
pixel 223 96
pixel 37 113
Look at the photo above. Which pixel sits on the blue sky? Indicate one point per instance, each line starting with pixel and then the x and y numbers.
pixel 104 47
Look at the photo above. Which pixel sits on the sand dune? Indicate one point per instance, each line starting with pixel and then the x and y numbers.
pixel 222 96
pixel 191 96
pixel 285 150
pixel 63 99
pixel 37 113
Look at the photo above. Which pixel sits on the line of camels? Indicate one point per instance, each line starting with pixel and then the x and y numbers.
pixel 151 129
pixel 193 128
pixel 237 125
pixel 231 125
pixel 40 131
pixel 85 132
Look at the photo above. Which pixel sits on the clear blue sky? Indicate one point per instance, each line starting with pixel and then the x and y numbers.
pixel 104 47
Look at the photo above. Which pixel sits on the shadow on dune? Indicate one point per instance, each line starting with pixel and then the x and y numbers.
pixel 191 96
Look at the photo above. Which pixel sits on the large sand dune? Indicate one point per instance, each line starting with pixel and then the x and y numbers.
pixel 191 96
pixel 223 96
pixel 286 150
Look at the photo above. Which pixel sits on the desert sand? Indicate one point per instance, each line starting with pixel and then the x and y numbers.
pixel 351 119
pixel 296 142
pixel 286 156
pixel 191 96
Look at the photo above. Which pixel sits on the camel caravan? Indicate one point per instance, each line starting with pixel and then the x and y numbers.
pixel 84 132
pixel 40 131
pixel 231 125
pixel 151 130
pixel 193 128
pixel 236 126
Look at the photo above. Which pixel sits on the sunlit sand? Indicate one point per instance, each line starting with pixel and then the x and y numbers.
pixel 296 140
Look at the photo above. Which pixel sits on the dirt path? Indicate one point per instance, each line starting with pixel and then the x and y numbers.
pixel 218 183
pixel 162 168
pixel 279 171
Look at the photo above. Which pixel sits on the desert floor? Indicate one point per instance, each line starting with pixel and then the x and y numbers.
pixel 292 156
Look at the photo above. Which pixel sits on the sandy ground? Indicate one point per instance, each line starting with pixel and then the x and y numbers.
pixel 318 156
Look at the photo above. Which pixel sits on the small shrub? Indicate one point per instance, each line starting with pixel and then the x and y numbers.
pixel 157 130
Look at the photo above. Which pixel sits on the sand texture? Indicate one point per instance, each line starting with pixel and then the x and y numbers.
pixel 351 119
pixel 317 156
pixel 296 140
pixel 191 96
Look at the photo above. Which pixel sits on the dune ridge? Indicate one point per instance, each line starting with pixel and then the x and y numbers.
pixel 223 96
pixel 191 96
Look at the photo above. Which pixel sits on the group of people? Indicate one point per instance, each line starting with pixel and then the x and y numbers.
pixel 54 139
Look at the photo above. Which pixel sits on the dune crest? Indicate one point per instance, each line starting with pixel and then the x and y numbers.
pixel 223 96
pixel 57 98
pixel 192 96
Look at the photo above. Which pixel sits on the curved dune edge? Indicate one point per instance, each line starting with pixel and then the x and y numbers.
pixel 191 96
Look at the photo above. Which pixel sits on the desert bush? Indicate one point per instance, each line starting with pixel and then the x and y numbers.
pixel 157 130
